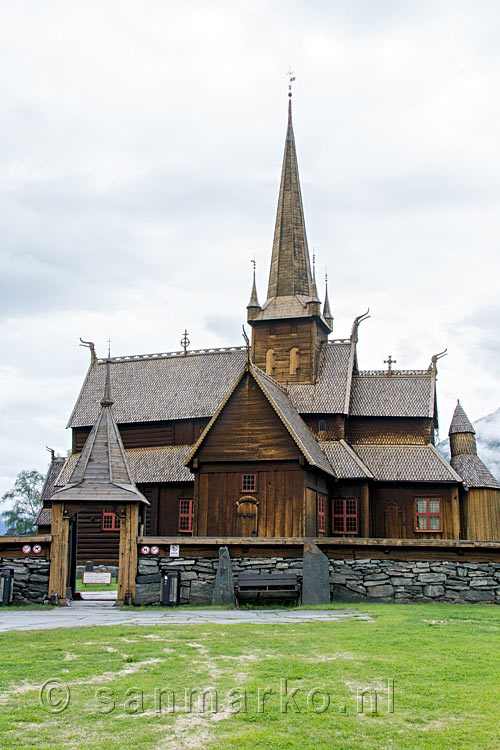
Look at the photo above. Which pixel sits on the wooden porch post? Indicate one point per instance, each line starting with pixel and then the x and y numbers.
pixel 365 510
pixel 59 553
pixel 455 512
pixel 127 557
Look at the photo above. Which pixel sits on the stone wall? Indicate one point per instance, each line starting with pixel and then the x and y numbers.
pixel 31 579
pixel 198 576
pixel 368 580
pixel 404 582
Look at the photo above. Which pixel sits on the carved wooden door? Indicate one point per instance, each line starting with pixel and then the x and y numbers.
pixel 247 516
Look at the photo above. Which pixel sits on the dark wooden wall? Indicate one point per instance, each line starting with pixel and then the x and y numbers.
pixel 481 514
pixel 248 429
pixel 149 434
pixel 393 506
pixel 280 495
pixel 162 516
pixel 389 431
pixel 282 335
pixel 94 543
pixel 335 425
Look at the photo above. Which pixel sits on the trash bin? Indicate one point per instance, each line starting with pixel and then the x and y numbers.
pixel 171 588
pixel 6 586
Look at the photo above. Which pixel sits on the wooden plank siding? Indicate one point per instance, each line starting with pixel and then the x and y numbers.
pixel 389 431
pixel 280 497
pixel 94 543
pixel 283 335
pixel 150 434
pixel 481 514
pixel 392 504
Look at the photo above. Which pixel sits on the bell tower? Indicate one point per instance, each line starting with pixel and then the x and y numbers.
pixel 289 329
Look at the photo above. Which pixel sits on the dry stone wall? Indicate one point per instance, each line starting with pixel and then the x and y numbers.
pixel 369 580
pixel 31 579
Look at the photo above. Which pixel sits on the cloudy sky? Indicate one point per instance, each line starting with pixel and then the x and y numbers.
pixel 140 155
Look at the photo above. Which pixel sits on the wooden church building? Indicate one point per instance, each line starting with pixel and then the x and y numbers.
pixel 286 437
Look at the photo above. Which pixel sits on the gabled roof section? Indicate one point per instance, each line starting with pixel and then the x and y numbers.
pixel 344 461
pixel 331 392
pixel 473 472
pixel 403 393
pixel 460 421
pixel 278 399
pixel 406 463
pixel 101 473
pixel 53 472
pixel 156 387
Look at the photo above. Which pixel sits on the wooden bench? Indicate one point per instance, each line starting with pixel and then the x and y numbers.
pixel 267 586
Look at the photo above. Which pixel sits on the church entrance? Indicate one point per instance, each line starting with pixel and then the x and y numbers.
pixel 93 581
pixel 247 516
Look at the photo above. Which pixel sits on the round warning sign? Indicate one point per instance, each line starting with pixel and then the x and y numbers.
pixel 37 549
pixel 155 550
pixel 26 549
pixel 145 550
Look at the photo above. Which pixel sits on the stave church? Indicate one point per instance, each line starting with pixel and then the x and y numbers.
pixel 285 437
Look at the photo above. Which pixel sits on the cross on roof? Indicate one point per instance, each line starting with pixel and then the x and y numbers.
pixel 185 342
pixel 389 362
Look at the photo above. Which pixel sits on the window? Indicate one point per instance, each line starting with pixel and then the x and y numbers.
pixel 110 521
pixel 427 514
pixel 186 515
pixel 321 425
pixel 270 362
pixel 294 360
pixel 321 513
pixel 248 482
pixel 345 515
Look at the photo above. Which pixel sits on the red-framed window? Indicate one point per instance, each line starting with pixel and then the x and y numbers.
pixel 427 514
pixel 110 521
pixel 248 482
pixel 345 515
pixel 186 515
pixel 321 514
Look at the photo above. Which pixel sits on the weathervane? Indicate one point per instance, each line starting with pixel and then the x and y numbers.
pixel 291 79
pixel 185 342
pixel 389 362
pixel 254 263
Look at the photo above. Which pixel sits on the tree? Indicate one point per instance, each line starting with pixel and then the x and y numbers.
pixel 25 499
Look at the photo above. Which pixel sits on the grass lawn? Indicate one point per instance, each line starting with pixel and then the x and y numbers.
pixel 444 661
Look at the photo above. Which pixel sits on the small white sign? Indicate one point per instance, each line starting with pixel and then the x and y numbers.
pixel 145 550
pixel 174 550
pixel 37 549
pixel 94 576
pixel 155 550
pixel 26 549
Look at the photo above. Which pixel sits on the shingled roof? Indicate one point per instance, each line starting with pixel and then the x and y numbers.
pixel 155 387
pixel 473 472
pixel 344 461
pixel 406 463
pixel 163 464
pixel 101 473
pixel 330 393
pixel 460 421
pixel 400 394
pixel 53 472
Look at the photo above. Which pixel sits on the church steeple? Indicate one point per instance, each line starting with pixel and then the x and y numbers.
pixel 290 272
pixel 327 313
pixel 289 330
pixel 253 307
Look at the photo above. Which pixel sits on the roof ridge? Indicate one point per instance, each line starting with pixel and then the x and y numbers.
pixel 170 355
pixel 393 373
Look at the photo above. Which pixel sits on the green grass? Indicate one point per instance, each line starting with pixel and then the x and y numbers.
pixel 113 586
pixel 444 660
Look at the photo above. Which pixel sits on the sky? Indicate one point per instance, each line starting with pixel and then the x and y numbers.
pixel 140 157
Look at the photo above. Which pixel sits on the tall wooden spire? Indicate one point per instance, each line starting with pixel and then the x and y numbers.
pixel 290 265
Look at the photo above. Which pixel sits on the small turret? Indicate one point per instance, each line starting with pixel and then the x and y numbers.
pixel 327 313
pixel 462 434
pixel 253 307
